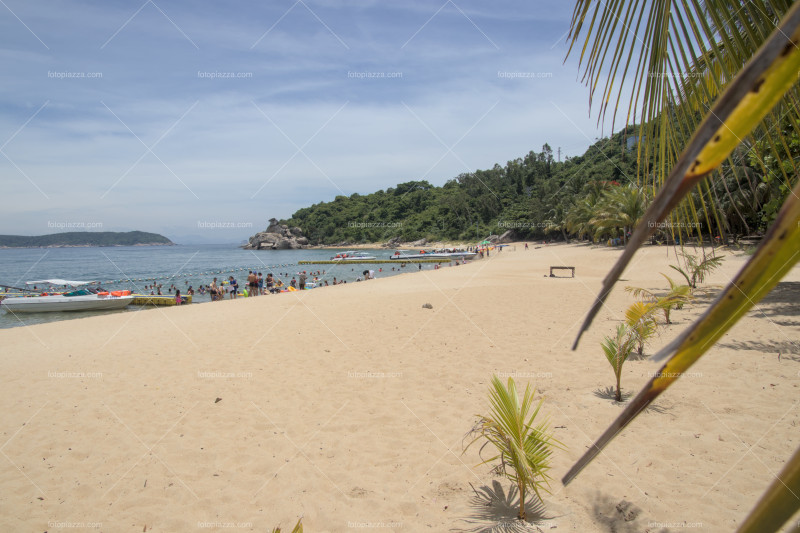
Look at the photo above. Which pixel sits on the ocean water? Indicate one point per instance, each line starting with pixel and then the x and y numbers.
pixel 136 267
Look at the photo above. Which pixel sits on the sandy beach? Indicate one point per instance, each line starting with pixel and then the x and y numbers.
pixel 348 406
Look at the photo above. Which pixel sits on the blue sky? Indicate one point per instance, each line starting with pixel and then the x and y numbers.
pixel 114 115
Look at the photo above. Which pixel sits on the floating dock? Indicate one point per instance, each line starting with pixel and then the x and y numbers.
pixel 377 261
pixel 144 299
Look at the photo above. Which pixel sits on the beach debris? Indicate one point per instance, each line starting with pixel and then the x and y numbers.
pixel 218 400
pixel 427 306
pixel 358 492
pixel 628 510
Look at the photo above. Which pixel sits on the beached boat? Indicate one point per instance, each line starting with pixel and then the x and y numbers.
pixel 454 255
pixel 169 300
pixel 403 256
pixel 400 256
pixel 81 298
pixel 353 256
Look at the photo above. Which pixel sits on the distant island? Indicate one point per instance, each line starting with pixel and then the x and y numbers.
pixel 85 238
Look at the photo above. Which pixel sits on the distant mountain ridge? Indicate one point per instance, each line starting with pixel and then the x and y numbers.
pixel 85 238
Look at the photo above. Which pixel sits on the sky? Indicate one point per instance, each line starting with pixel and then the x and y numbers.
pixel 202 120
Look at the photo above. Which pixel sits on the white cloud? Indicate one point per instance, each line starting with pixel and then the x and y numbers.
pixel 358 134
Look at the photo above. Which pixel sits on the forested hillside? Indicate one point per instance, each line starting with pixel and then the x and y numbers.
pixel 596 195
pixel 83 238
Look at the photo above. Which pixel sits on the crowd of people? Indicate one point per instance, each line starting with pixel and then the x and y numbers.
pixel 258 285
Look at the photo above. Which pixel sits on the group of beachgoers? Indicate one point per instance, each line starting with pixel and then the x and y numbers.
pixel 259 285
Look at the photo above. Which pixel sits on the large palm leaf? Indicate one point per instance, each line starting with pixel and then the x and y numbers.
pixel 765 81
pixel 760 85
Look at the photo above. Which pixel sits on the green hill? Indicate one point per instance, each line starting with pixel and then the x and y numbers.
pixel 529 195
pixel 536 197
pixel 84 238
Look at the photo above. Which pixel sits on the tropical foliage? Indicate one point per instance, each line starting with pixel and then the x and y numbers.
pixel 696 272
pixel 607 210
pixel 641 323
pixel 529 195
pixel 524 450
pixel 674 298
pixel 617 349
pixel 593 196
pixel 710 77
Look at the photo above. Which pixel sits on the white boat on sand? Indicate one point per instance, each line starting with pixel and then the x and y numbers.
pixel 81 298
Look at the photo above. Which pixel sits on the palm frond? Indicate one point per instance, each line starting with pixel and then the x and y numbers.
pixel 779 502
pixel 641 322
pixel 682 273
pixel 751 95
pixel 298 527
pixel 747 104
pixel 639 292
pixel 778 252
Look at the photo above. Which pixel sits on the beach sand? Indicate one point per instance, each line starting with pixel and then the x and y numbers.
pixel 348 406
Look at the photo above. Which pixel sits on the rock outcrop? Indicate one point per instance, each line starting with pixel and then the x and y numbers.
pixel 392 243
pixel 508 236
pixel 278 237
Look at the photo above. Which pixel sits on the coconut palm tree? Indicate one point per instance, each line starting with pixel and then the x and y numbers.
pixel 620 207
pixel 701 77
pixel 579 216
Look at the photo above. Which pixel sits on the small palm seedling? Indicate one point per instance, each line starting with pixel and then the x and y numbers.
pixel 524 450
pixel 697 272
pixel 617 349
pixel 674 299
pixel 641 323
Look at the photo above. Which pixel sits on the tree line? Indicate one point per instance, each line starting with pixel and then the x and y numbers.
pixel 598 195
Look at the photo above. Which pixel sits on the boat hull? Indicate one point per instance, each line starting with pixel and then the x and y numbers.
pixel 49 304
pixel 434 255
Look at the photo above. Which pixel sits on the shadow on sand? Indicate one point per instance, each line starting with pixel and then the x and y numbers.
pixel 610 393
pixel 495 511
pixel 619 517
